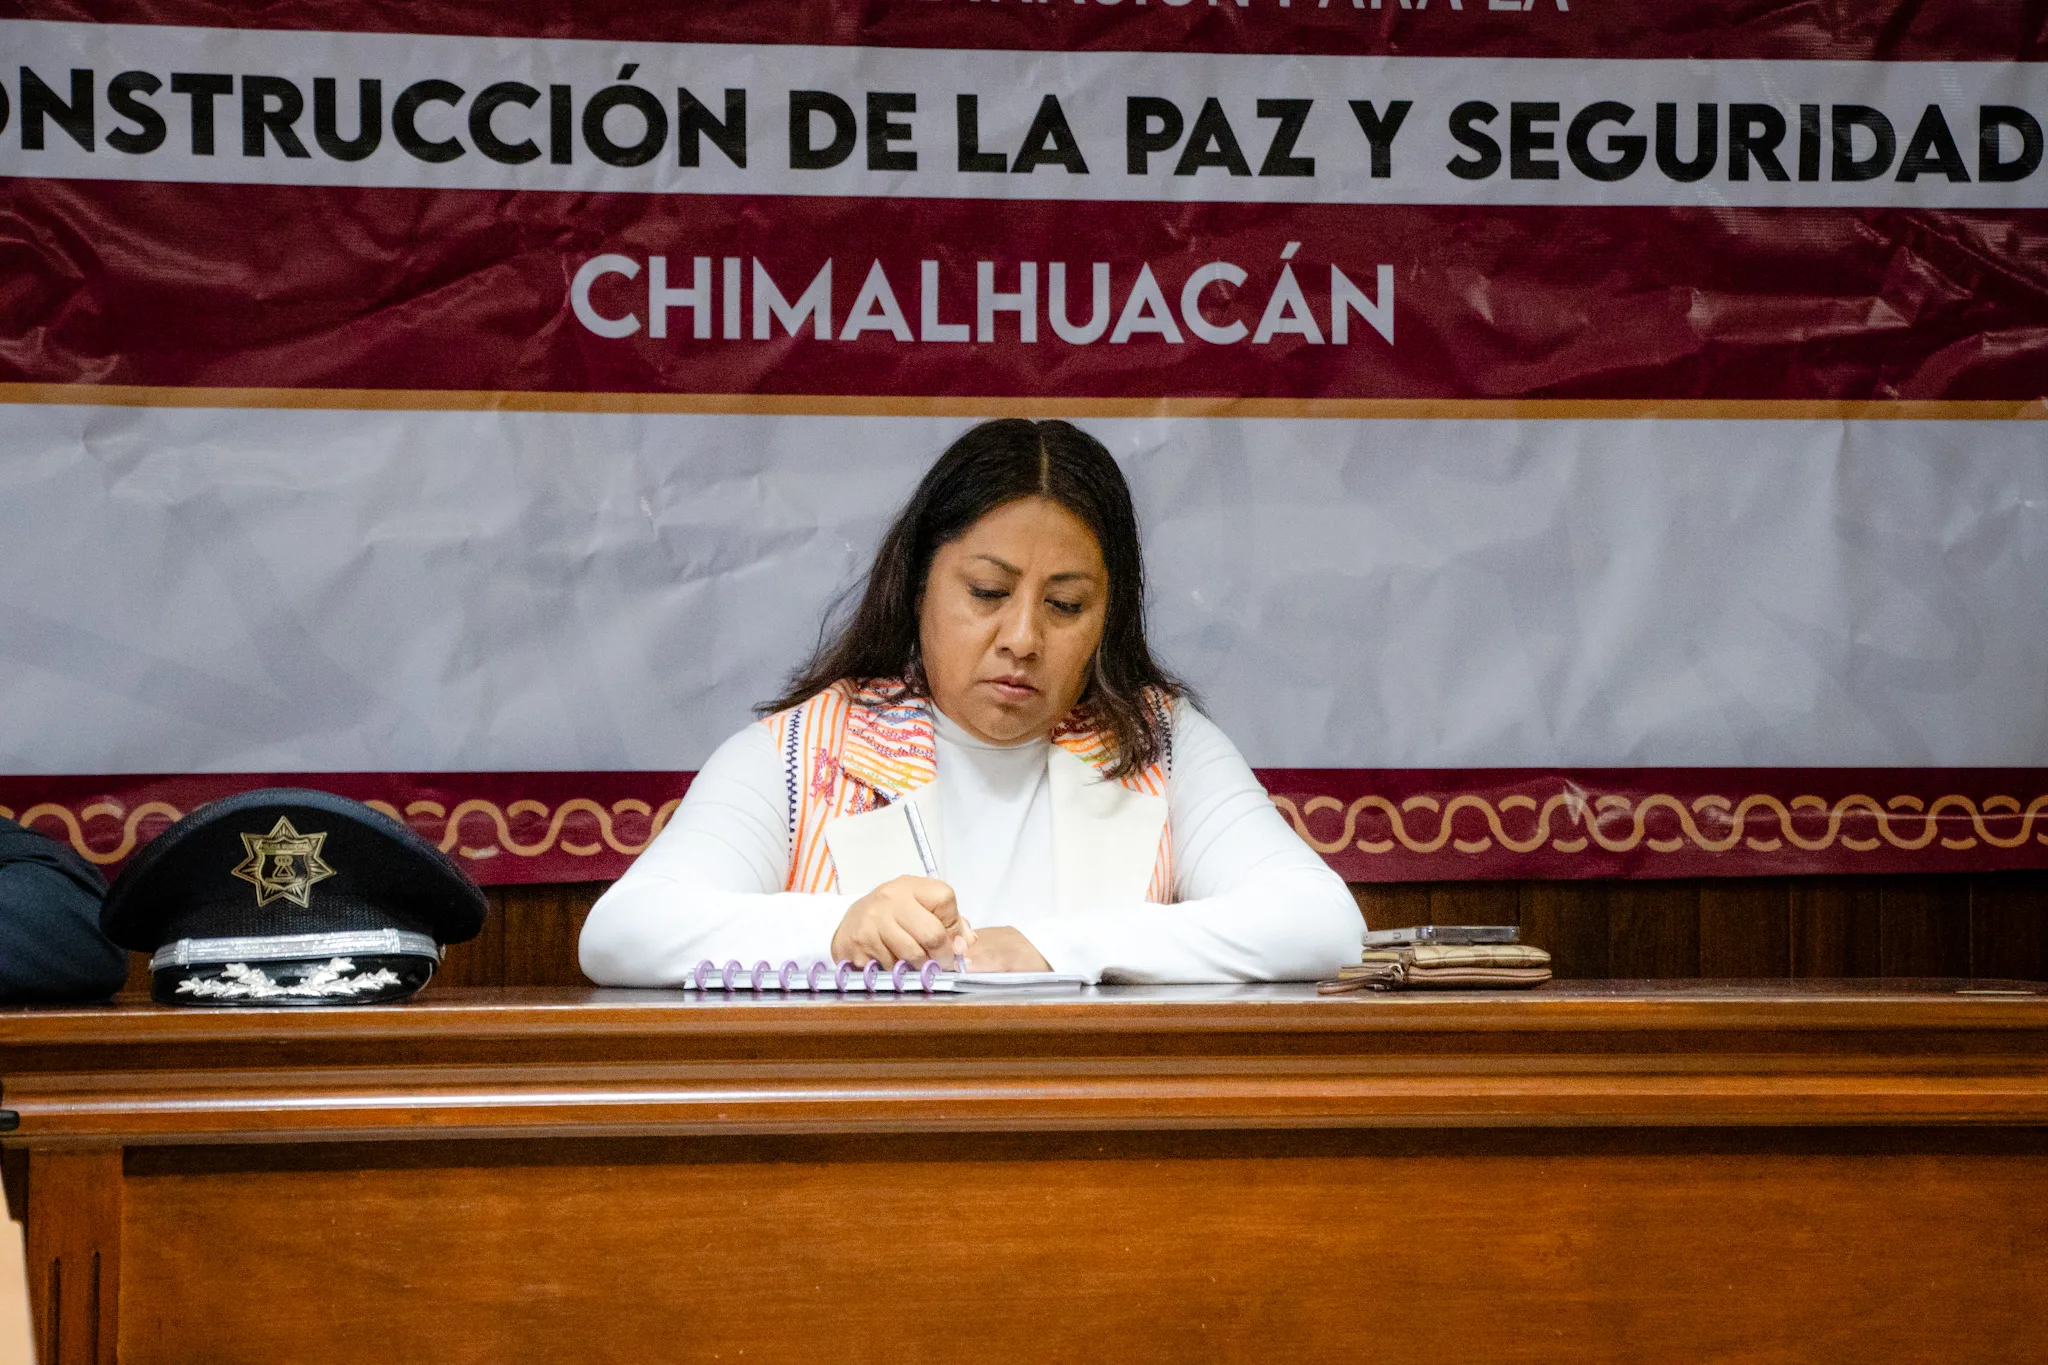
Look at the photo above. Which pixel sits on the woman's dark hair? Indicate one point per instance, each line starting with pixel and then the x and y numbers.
pixel 994 464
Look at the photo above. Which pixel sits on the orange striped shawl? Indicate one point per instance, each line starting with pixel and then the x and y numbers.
pixel 858 746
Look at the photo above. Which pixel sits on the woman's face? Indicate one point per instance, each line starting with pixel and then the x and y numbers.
pixel 1012 612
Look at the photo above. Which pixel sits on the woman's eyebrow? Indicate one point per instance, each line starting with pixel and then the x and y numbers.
pixel 1013 570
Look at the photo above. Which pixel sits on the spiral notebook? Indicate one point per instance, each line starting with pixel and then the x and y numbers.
pixel 843 978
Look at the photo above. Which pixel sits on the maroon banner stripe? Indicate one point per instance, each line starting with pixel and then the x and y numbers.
pixel 1392 825
pixel 1892 30
pixel 469 290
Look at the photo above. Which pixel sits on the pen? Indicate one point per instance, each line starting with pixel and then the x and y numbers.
pixel 931 869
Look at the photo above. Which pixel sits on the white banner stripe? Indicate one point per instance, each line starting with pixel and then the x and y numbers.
pixel 217 590
pixel 245 106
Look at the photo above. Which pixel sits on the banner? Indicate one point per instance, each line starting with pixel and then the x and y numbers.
pixel 1571 440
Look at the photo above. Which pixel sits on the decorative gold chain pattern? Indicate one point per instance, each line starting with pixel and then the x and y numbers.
pixel 1570 821
pixel 1710 824
pixel 452 823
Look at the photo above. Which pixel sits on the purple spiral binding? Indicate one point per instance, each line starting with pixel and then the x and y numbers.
pixel 816 980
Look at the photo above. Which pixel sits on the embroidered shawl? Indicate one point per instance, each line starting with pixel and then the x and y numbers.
pixel 860 745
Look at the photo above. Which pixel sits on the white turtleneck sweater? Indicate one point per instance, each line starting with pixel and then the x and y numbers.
pixel 1256 903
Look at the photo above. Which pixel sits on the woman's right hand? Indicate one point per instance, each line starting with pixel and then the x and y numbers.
pixel 908 919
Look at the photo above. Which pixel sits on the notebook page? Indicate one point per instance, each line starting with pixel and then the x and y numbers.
pixel 974 981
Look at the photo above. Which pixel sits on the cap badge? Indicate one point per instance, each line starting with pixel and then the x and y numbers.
pixel 283 863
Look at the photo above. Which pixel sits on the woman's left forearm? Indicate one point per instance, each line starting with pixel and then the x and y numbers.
pixel 1287 928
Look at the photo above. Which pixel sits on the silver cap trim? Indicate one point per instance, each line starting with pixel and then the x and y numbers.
pixel 188 952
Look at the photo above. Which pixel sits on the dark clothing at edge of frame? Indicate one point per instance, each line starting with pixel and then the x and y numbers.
pixel 51 948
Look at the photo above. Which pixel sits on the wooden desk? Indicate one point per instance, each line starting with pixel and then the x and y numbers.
pixel 1618 1171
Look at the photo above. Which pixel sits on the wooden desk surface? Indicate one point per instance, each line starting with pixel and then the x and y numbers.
pixel 509 1062
pixel 1605 1172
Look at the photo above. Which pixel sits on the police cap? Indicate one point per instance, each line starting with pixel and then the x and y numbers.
pixel 290 897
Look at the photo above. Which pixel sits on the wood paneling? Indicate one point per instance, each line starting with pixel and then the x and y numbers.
pixel 1475 903
pixel 541 929
pixel 1834 926
pixel 1788 1172
pixel 1745 928
pixel 2009 925
pixel 1653 929
pixel 1570 920
pixel 1924 926
pixel 14 1175
pixel 481 961
pixel 488 1063
pixel 529 938
pixel 136 987
pixel 1392 905
pixel 74 1253
pixel 1994 925
pixel 1137 1248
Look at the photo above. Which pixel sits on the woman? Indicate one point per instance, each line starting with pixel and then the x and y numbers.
pixel 1083 816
